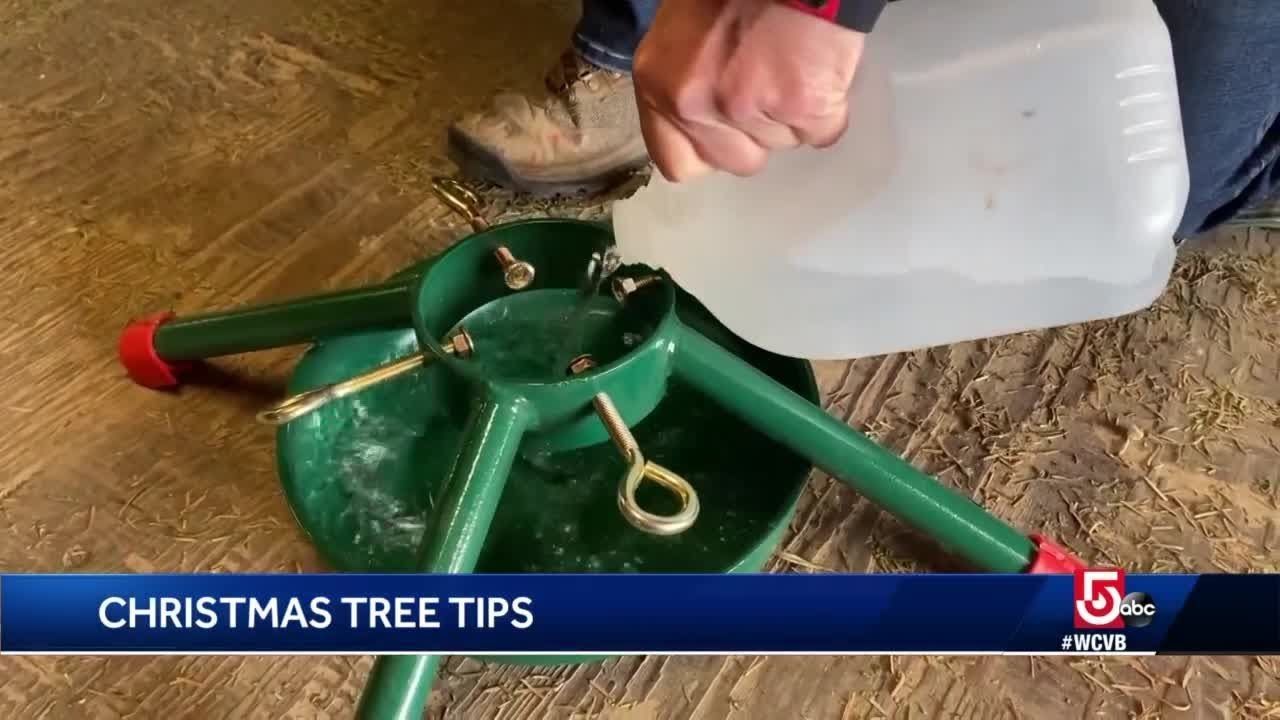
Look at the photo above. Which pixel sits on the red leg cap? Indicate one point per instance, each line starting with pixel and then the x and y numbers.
pixel 1053 559
pixel 139 357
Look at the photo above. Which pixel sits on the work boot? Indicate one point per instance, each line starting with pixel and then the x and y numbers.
pixel 582 135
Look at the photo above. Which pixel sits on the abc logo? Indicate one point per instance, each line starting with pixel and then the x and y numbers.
pixel 1137 610
pixel 1101 602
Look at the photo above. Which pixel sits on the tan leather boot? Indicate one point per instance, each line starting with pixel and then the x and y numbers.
pixel 583 135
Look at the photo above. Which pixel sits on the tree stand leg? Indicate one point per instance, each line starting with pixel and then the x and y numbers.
pixel 156 350
pixel 399 685
pixel 959 524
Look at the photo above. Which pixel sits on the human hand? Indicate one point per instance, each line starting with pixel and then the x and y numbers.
pixel 721 83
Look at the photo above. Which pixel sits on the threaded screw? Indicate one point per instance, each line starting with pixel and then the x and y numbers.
pixel 608 412
pixel 623 287
pixel 517 274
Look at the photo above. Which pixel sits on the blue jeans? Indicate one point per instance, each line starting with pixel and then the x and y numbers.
pixel 1227 56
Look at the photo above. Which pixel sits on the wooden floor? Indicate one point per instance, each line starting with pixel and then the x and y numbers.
pixel 199 154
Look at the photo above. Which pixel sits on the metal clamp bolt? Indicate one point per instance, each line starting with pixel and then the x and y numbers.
pixel 640 470
pixel 295 406
pixel 517 274
pixel 623 287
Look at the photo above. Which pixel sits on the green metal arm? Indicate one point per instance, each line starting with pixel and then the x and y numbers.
pixel 399 685
pixel 291 322
pixel 881 476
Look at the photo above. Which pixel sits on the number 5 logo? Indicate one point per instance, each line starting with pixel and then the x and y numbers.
pixel 1098 594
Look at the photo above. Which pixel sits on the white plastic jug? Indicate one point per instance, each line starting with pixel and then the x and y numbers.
pixel 1010 165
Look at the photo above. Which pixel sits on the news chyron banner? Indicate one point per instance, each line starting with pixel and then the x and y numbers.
pixel 1097 611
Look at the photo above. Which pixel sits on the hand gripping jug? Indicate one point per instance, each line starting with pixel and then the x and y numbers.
pixel 1009 166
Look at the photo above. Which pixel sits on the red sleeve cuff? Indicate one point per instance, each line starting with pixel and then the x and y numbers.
pixel 858 15
pixel 138 354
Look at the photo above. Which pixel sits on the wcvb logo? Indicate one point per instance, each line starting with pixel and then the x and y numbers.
pixel 1101 603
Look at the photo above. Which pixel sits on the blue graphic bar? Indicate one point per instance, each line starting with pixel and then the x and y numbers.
pixel 634 614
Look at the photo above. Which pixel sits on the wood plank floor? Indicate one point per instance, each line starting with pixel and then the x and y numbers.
pixel 198 155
